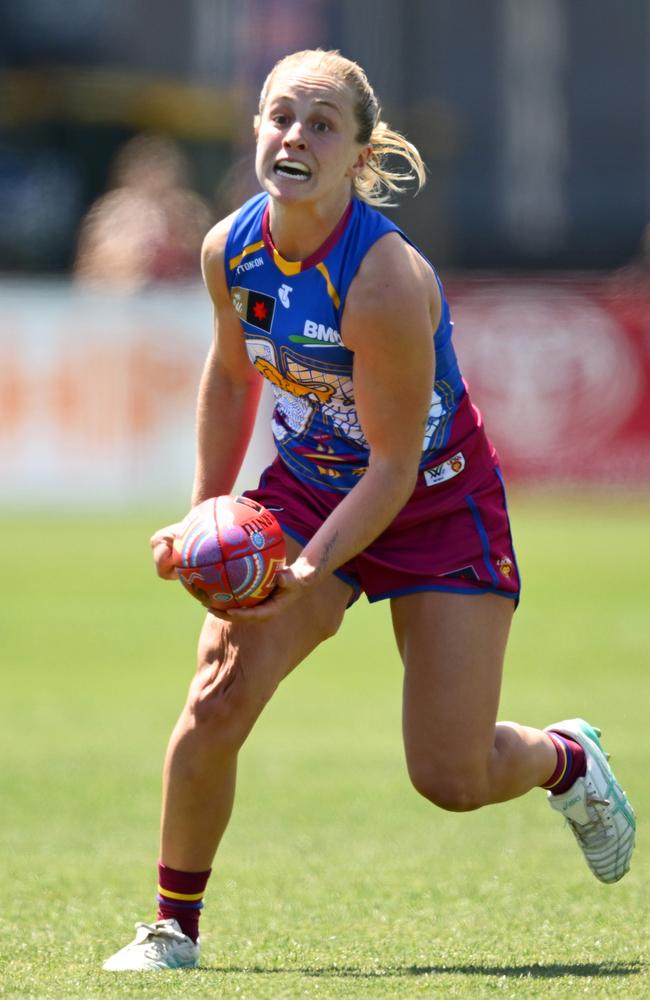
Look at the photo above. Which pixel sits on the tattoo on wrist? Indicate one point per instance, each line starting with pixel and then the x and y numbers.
pixel 327 551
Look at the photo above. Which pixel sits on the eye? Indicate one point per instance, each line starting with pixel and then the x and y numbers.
pixel 279 118
pixel 321 126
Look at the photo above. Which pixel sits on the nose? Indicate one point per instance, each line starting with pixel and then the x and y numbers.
pixel 293 137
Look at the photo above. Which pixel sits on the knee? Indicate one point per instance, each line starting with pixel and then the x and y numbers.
pixel 454 791
pixel 326 622
pixel 217 717
pixel 222 705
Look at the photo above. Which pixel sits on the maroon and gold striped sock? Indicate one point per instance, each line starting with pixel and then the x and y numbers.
pixel 180 897
pixel 571 764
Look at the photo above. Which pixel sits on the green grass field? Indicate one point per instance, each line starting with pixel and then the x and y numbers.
pixel 335 879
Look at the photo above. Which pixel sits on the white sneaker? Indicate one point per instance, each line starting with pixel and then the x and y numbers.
pixel 156 946
pixel 596 807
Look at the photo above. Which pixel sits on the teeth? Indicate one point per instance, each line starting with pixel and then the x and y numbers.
pixel 292 168
pixel 295 165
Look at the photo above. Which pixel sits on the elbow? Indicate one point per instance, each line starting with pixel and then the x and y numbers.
pixel 400 475
pixel 407 476
pixel 410 482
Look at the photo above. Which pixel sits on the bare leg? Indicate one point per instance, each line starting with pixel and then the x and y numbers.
pixel 453 646
pixel 239 668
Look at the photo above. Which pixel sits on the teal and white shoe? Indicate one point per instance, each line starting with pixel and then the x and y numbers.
pixel 596 807
pixel 155 947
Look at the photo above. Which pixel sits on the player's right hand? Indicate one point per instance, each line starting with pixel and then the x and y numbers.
pixel 162 542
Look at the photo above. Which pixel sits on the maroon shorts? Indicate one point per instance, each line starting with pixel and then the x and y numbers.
pixel 452 535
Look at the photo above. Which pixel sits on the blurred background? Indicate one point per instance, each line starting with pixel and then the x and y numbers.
pixel 126 131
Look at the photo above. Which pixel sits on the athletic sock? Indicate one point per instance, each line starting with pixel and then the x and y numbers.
pixel 180 897
pixel 571 764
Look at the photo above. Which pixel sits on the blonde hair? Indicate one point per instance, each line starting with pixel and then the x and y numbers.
pixel 377 182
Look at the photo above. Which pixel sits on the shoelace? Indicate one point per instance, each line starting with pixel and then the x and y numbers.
pixel 156 937
pixel 595 833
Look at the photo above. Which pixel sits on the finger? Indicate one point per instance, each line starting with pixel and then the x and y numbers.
pixel 241 615
pixel 163 560
pixel 286 579
pixel 262 611
pixel 167 534
pixel 164 563
pixel 164 544
pixel 223 616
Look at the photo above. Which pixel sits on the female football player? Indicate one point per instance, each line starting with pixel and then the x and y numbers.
pixel 384 482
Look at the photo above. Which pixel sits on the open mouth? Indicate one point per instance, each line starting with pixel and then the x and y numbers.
pixel 292 168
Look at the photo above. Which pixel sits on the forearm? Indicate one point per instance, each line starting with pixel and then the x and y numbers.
pixel 224 423
pixel 360 518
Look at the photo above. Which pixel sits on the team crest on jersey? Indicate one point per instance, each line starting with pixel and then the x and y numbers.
pixel 316 389
pixel 447 470
pixel 505 566
pixel 253 307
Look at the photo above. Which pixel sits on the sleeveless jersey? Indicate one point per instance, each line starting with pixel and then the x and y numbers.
pixel 291 311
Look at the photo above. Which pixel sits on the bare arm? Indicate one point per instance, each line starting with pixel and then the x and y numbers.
pixel 391 313
pixel 392 310
pixel 230 387
pixel 227 402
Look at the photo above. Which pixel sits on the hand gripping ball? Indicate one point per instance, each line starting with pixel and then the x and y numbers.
pixel 228 551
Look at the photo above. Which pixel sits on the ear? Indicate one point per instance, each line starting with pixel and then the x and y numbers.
pixel 256 126
pixel 359 164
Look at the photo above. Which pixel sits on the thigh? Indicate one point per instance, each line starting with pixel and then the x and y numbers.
pixel 452 647
pixel 246 661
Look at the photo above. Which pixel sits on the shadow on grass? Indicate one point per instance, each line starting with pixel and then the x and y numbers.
pixel 553 970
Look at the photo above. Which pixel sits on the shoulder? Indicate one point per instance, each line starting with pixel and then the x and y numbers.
pixel 233 232
pixel 214 243
pixel 390 252
pixel 213 254
pixel 394 282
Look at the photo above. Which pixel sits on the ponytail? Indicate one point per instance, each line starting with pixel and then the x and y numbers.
pixel 377 182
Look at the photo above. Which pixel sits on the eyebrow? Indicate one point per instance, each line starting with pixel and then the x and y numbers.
pixel 328 104
pixel 319 101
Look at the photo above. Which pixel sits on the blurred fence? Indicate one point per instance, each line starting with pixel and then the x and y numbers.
pixel 97 391
pixel 97 394
pixel 560 368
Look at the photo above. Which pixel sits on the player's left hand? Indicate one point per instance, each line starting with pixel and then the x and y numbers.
pixel 289 587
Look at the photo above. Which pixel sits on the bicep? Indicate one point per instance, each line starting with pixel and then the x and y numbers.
pixel 394 360
pixel 228 349
pixel 393 394
pixel 229 346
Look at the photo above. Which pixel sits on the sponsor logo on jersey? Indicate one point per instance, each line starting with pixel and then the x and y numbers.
pixel 249 265
pixel 283 295
pixel 255 308
pixel 317 335
pixel 447 470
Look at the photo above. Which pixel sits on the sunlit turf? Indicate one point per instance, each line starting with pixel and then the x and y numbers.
pixel 335 879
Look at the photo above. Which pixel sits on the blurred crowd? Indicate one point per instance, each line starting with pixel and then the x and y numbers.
pixel 149 225
pixel 148 132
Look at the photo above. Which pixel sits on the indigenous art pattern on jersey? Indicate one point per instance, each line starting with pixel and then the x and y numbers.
pixel 291 313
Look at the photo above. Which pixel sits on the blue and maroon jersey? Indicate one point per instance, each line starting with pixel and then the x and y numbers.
pixel 291 314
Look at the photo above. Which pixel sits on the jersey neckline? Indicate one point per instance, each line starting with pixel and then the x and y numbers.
pixel 295 266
